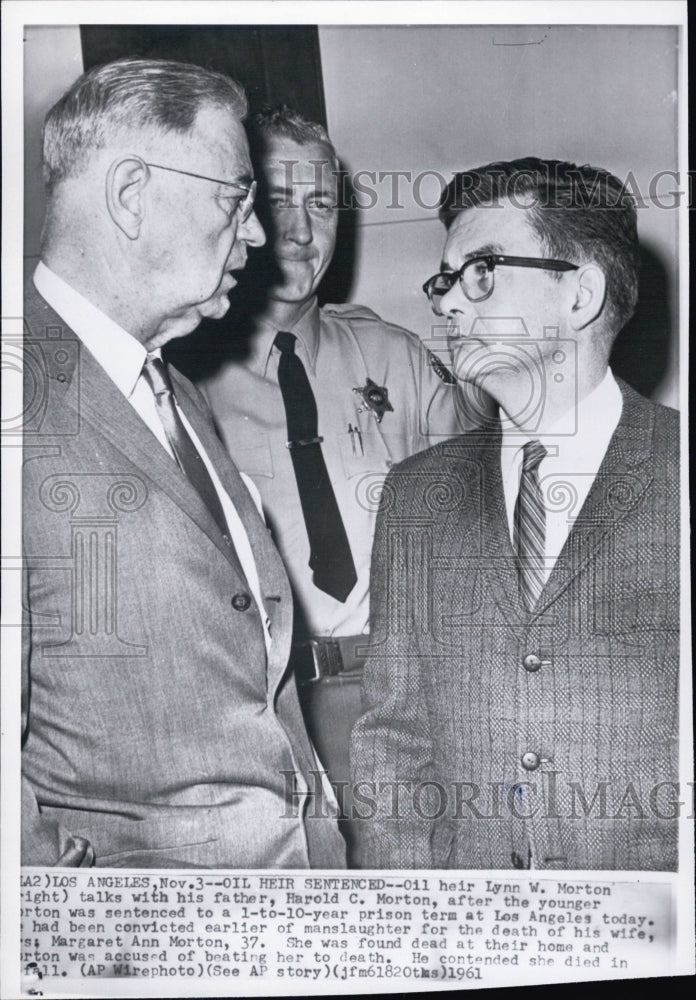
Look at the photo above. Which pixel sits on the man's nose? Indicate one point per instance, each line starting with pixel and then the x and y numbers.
pixel 251 232
pixel 454 301
pixel 297 225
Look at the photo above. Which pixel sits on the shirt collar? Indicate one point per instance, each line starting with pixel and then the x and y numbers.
pixel 581 436
pixel 117 351
pixel 306 329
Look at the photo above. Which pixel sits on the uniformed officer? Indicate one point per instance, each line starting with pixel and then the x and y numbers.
pixel 378 396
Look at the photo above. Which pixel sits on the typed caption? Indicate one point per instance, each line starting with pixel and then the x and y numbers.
pixel 225 932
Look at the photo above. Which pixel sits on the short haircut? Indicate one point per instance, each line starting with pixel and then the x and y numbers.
pixel 579 213
pixel 286 123
pixel 127 95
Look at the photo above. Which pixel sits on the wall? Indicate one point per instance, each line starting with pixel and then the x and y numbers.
pixel 52 60
pixel 446 98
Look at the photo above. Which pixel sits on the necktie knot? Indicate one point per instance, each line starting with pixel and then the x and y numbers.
pixel 157 376
pixel 533 455
pixel 285 341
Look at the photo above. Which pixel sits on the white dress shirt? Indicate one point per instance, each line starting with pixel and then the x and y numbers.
pixel 122 357
pixel 576 445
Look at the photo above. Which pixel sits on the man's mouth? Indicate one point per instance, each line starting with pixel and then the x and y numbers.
pixel 297 257
pixel 230 278
pixel 454 331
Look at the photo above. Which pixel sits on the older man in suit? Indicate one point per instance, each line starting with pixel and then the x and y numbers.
pixel 522 689
pixel 161 727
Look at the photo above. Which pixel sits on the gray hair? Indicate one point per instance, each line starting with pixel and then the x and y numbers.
pixel 286 123
pixel 127 95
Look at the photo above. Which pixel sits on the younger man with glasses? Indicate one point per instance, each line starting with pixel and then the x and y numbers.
pixel 521 694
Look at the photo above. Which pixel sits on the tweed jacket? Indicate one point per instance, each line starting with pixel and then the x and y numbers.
pixel 498 738
pixel 157 731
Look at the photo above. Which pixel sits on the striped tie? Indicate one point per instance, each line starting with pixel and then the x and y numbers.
pixel 529 531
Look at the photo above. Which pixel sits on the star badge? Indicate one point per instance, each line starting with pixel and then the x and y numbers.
pixel 376 398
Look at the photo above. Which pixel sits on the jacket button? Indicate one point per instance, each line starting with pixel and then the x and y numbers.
pixel 530 760
pixel 241 602
pixel 531 662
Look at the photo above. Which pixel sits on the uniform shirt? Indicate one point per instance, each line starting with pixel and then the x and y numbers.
pixel 340 347
pixel 122 357
pixel 575 445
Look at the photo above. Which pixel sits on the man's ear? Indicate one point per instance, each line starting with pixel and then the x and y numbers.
pixel 589 296
pixel 125 183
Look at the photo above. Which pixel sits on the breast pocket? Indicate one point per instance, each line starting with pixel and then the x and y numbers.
pixel 254 457
pixel 363 451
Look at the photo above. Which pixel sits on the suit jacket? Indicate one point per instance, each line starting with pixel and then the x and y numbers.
pixel 516 739
pixel 157 731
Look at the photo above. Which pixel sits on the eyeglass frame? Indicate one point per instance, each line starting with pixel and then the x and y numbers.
pixel 248 191
pixel 492 260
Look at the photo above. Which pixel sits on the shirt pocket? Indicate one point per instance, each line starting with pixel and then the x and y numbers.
pixel 254 457
pixel 364 452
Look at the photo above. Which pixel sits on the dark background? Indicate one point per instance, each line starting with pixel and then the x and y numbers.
pixel 277 64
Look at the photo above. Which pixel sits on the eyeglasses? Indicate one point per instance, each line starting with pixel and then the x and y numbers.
pixel 476 276
pixel 244 204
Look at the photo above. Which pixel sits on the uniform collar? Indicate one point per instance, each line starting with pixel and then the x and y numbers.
pixel 117 351
pixel 306 329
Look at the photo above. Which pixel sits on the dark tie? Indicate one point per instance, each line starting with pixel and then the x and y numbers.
pixel 529 532
pixel 331 562
pixel 185 451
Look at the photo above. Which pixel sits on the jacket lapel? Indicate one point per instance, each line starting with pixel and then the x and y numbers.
pixel 619 487
pixel 82 384
pixel 497 532
pixel 480 521
pixel 104 407
pixel 271 572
